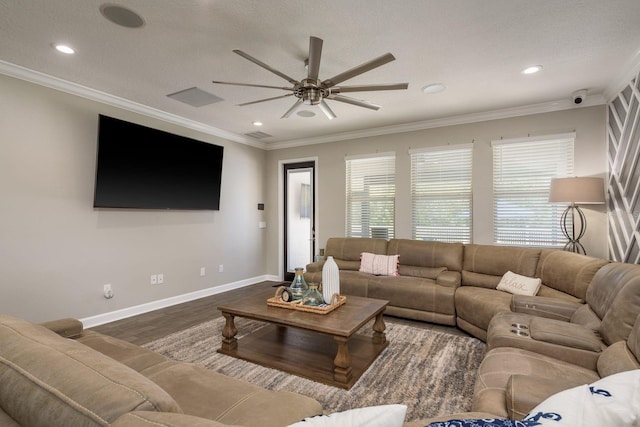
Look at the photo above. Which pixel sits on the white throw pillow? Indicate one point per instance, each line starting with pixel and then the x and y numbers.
pixel 610 401
pixel 372 416
pixel 519 285
pixel 380 265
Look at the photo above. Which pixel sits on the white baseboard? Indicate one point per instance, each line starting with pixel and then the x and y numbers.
pixel 112 316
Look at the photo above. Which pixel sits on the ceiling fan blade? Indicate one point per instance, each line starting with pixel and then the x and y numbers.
pixel 251 85
pixel 362 68
pixel 354 101
pixel 265 66
pixel 315 53
pixel 367 88
pixel 264 100
pixel 292 109
pixel 326 110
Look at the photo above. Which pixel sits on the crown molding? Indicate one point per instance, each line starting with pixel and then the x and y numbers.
pixel 22 73
pixel 525 110
pixel 19 72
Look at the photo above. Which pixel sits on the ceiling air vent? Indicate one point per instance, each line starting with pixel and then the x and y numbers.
pixel 258 135
pixel 195 97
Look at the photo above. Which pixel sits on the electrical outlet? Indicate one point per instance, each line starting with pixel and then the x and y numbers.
pixel 107 291
pixel 160 278
pixel 154 279
pixel 202 271
pixel 221 268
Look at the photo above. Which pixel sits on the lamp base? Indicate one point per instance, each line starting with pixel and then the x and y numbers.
pixel 573 245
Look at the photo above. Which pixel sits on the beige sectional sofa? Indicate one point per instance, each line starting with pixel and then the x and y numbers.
pixel 576 329
pixel 72 377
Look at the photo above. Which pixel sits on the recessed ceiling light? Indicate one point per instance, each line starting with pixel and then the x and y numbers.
pixel 306 113
pixel 64 48
pixel 434 88
pixel 257 123
pixel 121 16
pixel 532 70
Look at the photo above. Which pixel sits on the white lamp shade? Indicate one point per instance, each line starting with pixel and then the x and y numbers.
pixel 579 190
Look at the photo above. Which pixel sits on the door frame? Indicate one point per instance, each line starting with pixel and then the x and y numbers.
pixel 281 195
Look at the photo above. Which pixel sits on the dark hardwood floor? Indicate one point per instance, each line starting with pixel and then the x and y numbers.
pixel 150 326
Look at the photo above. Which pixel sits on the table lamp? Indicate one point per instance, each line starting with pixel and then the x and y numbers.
pixel 577 190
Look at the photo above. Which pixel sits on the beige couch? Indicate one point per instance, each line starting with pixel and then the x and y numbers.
pixel 577 328
pixel 425 288
pixel 72 377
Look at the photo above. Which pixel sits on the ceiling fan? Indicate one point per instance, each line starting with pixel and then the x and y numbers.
pixel 313 91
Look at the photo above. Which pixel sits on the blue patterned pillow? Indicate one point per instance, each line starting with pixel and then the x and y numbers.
pixel 530 421
pixel 610 401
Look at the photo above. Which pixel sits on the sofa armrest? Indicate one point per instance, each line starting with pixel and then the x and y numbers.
pixel 450 279
pixel 525 392
pixel 565 334
pixel 66 328
pixel 315 267
pixel 551 308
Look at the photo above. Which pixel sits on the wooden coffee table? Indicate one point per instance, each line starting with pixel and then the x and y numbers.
pixel 322 347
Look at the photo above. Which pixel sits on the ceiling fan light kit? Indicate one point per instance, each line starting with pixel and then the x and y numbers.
pixel 313 91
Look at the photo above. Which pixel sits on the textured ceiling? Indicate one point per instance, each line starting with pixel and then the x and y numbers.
pixel 477 48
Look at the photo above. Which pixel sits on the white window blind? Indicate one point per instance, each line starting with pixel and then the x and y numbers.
pixel 522 172
pixel 370 196
pixel 441 196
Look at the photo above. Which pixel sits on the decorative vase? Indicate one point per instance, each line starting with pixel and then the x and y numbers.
pixel 330 279
pixel 313 297
pixel 298 287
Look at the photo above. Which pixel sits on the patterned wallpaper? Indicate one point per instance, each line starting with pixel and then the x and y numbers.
pixel 623 188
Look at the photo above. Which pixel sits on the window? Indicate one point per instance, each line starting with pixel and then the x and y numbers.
pixel 370 193
pixel 522 172
pixel 441 198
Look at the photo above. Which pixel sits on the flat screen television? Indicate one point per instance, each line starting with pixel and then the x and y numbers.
pixel 144 168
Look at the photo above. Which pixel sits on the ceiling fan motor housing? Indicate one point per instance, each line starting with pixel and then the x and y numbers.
pixel 310 91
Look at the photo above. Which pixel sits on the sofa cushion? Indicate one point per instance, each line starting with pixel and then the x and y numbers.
pixel 204 393
pixel 501 363
pixel 379 265
pixel 414 293
pixel 131 355
pixel 350 248
pixel 6 420
pixel 67 380
pixel 424 272
pixel 488 263
pixel 622 355
pixel 478 306
pixel 586 317
pixel 163 419
pixel 606 284
pixel 621 315
pixel 422 253
pixel 568 272
pixel 518 284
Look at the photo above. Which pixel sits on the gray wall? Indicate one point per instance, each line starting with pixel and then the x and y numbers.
pixel 590 160
pixel 57 251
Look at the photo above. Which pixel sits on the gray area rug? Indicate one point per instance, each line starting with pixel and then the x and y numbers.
pixel 431 372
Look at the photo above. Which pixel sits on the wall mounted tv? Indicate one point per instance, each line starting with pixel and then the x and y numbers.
pixel 143 168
